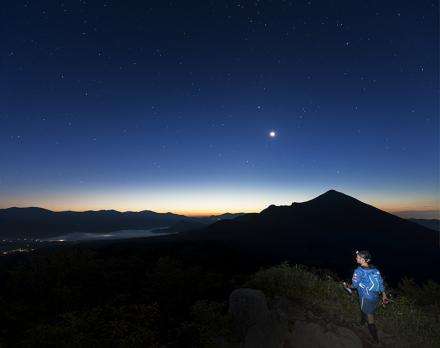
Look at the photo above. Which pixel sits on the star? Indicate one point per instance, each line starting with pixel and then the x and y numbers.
pixel 272 134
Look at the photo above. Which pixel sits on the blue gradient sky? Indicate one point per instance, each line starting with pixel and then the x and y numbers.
pixel 167 106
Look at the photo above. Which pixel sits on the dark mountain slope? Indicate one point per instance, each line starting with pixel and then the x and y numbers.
pixel 325 232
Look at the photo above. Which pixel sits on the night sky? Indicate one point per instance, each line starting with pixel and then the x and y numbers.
pixel 168 106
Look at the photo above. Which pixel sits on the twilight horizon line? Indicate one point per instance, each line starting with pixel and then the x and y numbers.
pixel 218 205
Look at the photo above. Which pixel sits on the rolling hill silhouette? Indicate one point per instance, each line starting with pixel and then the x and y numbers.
pixel 325 231
pixel 41 223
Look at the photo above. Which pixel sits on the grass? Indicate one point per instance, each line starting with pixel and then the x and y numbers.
pixel 412 317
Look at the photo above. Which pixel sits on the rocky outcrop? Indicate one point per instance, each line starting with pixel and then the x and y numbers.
pixel 283 324
pixel 315 335
pixel 258 327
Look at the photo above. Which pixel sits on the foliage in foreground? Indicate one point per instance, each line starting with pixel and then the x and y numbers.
pixel 78 298
pixel 412 316
pixel 86 299
pixel 125 327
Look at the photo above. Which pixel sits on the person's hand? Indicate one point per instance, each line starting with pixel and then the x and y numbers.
pixel 347 287
pixel 385 299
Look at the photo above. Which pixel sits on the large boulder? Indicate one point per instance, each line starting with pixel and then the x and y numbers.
pixel 248 307
pixel 284 324
pixel 316 335
pixel 259 327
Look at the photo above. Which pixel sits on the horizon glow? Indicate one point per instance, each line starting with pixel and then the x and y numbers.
pixel 213 201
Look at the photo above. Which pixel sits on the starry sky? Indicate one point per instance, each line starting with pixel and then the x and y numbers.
pixel 170 105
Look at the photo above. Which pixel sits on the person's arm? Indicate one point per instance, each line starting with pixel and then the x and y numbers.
pixel 356 279
pixel 382 289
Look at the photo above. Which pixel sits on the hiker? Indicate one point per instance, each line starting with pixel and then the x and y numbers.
pixel 369 284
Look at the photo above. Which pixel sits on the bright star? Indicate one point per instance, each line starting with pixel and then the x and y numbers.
pixel 272 134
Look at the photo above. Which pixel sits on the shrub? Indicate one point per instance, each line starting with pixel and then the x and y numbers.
pixel 210 324
pixel 124 327
pixel 412 317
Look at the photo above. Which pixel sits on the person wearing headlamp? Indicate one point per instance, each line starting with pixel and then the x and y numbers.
pixel 369 284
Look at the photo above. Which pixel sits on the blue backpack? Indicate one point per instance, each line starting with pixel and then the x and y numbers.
pixel 368 282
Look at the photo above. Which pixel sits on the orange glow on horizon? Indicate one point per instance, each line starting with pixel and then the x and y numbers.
pixel 207 213
pixel 403 207
pixel 189 213
pixel 207 202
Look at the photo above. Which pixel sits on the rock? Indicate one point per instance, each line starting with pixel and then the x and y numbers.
pixel 269 334
pixel 313 335
pixel 260 328
pixel 220 342
pixel 288 310
pixel 248 307
pixel 348 338
pixel 264 327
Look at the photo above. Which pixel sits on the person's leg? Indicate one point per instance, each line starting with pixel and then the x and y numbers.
pixel 372 327
pixel 363 317
pixel 369 306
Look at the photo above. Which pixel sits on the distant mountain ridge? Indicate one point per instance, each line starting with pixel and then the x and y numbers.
pixel 37 222
pixel 433 224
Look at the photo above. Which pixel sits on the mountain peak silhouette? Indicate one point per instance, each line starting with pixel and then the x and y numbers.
pixel 331 200
pixel 333 195
pixel 333 221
